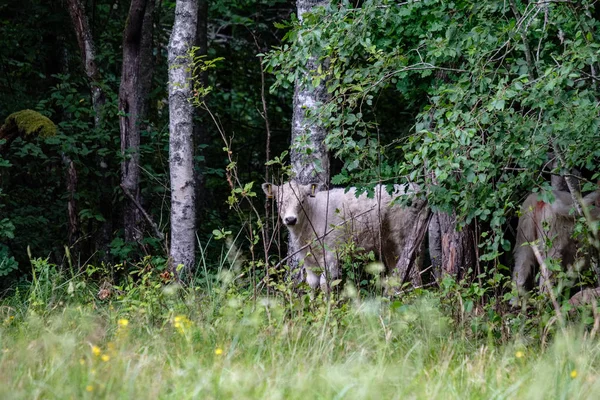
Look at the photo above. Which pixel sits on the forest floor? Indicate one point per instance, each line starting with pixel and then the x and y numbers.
pixel 144 340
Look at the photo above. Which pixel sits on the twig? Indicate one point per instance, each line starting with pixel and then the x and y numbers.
pixel 265 116
pixel 546 277
pixel 527 49
pixel 413 288
pixel 575 194
pixel 157 232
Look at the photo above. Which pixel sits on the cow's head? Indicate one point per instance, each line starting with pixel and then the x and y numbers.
pixel 291 200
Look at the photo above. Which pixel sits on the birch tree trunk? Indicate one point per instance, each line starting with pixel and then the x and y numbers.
pixel 136 79
pixel 308 155
pixel 181 127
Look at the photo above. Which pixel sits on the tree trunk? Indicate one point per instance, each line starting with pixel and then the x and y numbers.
pixel 181 126
pixel 308 155
pixel 408 267
pixel 136 78
pixel 435 245
pixel 88 56
pixel 452 252
pixel 71 183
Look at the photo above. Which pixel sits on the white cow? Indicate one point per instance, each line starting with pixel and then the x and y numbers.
pixel 319 223
pixel 544 223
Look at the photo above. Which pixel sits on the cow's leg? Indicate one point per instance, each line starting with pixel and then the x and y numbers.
pixel 311 278
pixel 331 273
pixel 524 263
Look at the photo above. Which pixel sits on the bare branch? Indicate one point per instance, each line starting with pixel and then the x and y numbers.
pixel 157 231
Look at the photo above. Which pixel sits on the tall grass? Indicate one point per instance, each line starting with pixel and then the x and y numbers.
pixel 203 346
pixel 217 340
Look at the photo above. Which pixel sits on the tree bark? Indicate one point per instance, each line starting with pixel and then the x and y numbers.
pixel 308 155
pixel 136 77
pixel 408 267
pixel 181 126
pixel 452 252
pixel 88 56
pixel 435 245
pixel 71 183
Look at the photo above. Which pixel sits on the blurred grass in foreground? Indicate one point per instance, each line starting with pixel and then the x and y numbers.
pixel 202 347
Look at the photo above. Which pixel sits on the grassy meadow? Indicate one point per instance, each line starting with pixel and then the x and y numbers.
pixel 58 340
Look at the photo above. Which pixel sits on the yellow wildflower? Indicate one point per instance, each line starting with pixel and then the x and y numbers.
pixel 123 322
pixel 218 351
pixel 574 374
pixel 89 388
pixel 96 350
pixel 519 354
pixel 81 361
pixel 181 323
pixel 105 357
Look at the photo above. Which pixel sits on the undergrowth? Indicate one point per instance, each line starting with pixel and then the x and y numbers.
pixel 151 338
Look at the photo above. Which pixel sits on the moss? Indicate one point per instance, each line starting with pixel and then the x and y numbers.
pixel 30 122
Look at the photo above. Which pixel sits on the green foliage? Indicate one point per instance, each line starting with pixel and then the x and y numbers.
pixel 199 64
pixel 488 89
pixel 38 202
pixel 42 70
pixel 7 263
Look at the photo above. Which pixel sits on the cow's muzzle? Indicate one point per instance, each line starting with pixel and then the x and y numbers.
pixel 290 220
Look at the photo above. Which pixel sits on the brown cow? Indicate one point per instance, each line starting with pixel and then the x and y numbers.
pixel 550 227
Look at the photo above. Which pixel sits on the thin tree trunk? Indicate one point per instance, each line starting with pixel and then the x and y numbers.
pixel 133 92
pixel 181 126
pixel 88 56
pixel 308 155
pixel 71 183
pixel 435 245
pixel 71 171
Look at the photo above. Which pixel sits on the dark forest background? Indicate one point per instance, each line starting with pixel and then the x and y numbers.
pixel 478 103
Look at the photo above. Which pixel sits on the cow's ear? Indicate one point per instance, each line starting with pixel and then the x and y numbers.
pixel 313 190
pixel 268 189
